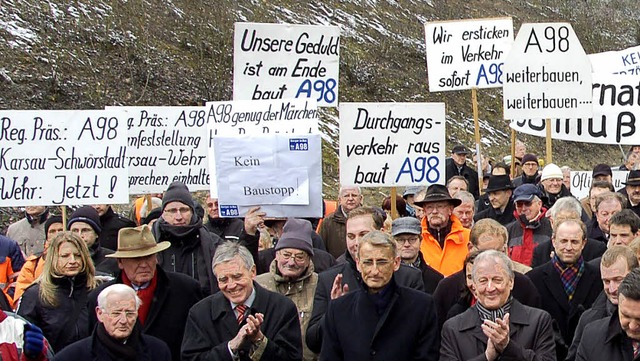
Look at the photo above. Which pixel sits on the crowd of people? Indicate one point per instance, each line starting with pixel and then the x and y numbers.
pixel 513 268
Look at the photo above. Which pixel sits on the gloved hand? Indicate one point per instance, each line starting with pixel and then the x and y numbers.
pixel 33 341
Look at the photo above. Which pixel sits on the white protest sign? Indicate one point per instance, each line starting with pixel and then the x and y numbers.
pixel 615 109
pixel 281 61
pixel 547 74
pixel 256 117
pixel 392 144
pixel 62 157
pixel 581 182
pixel 467 53
pixel 626 62
pixel 164 145
pixel 280 173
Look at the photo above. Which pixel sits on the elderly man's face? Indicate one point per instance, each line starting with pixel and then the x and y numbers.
pixel 84 231
pixel 119 316
pixel 569 242
pixel 408 245
pixel 376 265
pixel 520 150
pixel 459 159
pixel 489 241
pixel 177 214
pixel 292 262
pixel 350 199
pixel 552 185
pixel 634 193
pixel 629 313
pixel 53 230
pixel 438 213
pixel 456 186
pixel 612 276
pixel 530 209
pixel 593 194
pixel 358 227
pixel 606 209
pixel 492 284
pixel 465 212
pixel 235 280
pixel 139 270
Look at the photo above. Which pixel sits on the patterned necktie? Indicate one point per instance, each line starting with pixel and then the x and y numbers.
pixel 636 348
pixel 241 310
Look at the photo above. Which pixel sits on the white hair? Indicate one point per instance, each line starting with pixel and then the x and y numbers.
pixel 120 289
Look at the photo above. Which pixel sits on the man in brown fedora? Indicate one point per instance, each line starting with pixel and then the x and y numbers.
pixel 166 296
pixel 499 190
pixel 444 239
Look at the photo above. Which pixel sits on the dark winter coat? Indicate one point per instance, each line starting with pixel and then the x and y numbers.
pixel 405 276
pixel 105 266
pixel 592 250
pixel 62 324
pixel 91 348
pixel 430 277
pixel 450 289
pixel 503 218
pixel 555 301
pixel 405 330
pixel 451 169
pixel 600 309
pixel 225 228
pixel 333 231
pixel 548 200
pixel 530 336
pixel 175 294
pixel 605 339
pixel 111 224
pixel 211 324
pixel 191 254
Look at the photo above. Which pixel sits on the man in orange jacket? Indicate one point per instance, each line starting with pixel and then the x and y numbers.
pixel 444 239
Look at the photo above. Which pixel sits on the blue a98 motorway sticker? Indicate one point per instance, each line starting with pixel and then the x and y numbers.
pixel 229 211
pixel 298 144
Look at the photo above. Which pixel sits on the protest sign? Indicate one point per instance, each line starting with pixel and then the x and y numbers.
pixel 279 172
pixel 615 109
pixel 392 144
pixel 625 62
pixel 164 145
pixel 467 53
pixel 62 157
pixel 581 182
pixel 547 74
pixel 282 61
pixel 256 117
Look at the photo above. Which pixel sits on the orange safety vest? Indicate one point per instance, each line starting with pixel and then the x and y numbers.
pixel 450 259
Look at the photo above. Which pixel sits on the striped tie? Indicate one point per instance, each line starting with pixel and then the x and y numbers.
pixel 636 348
pixel 241 310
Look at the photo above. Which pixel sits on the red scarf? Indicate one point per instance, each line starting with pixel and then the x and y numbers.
pixel 145 294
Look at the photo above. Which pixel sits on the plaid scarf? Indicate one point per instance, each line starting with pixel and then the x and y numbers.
pixel 569 275
pixel 492 315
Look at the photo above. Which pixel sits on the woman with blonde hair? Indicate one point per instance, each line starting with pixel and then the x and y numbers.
pixel 57 301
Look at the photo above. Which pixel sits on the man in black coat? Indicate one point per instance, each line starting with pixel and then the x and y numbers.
pixel 117 336
pixel 487 234
pixel 381 319
pixel 457 165
pixel 616 338
pixel 502 207
pixel 567 284
pixel 243 321
pixel 407 233
pixel 497 327
pixel 166 296
pixel 345 277
pixel 225 228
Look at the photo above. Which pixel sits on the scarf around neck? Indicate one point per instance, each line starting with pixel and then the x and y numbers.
pixel 569 274
pixel 492 315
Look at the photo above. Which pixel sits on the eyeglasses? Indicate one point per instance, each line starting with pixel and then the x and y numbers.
pixel 174 211
pixel 298 257
pixel 410 239
pixel 129 315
